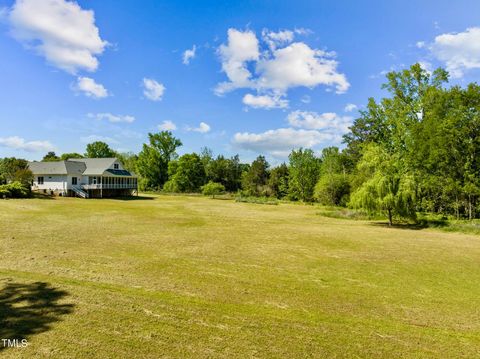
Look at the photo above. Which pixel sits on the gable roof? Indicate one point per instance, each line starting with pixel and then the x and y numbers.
pixel 57 167
pixel 79 166
pixel 95 166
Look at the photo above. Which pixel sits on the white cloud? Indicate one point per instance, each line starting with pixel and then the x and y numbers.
pixel 327 122
pixel 153 90
pixel 281 141
pixel 189 55
pixel 90 88
pixel 298 65
pixel 459 51
pixel 350 107
pixel 202 128
pixel 167 126
pixel 283 65
pixel 241 48
pixel 427 66
pixel 265 101
pixel 274 39
pixel 18 143
pixel 112 118
pixel 60 31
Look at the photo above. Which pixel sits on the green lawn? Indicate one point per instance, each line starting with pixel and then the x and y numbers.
pixel 175 276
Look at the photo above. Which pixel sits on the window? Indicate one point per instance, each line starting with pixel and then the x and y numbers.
pixel 115 166
pixel 40 180
pixel 74 181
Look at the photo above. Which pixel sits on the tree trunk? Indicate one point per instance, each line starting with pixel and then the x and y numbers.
pixel 470 207
pixel 390 221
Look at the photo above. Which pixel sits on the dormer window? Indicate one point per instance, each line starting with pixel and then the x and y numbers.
pixel 115 166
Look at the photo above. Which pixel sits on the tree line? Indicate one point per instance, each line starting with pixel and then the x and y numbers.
pixel 414 150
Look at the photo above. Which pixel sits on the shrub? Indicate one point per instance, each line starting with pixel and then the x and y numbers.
pixel 14 190
pixel 332 190
pixel 212 189
pixel 171 186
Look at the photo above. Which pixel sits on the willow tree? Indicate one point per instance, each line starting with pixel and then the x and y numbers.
pixel 386 188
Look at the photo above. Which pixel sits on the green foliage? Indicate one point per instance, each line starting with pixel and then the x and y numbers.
pixel 152 163
pixel 254 181
pixel 304 172
pixel 212 189
pixel 50 157
pixel 387 188
pixel 186 174
pixel 332 189
pixel 128 160
pixel 13 169
pixel 14 189
pixel 227 171
pixel 99 149
pixel 333 186
pixel 278 181
pixel 72 155
pixel 171 186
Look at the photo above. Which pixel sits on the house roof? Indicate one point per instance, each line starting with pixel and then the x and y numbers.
pixel 57 167
pixel 96 166
pixel 79 166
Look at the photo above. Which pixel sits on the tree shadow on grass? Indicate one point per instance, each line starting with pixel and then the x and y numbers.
pixel 422 224
pixel 132 198
pixel 29 309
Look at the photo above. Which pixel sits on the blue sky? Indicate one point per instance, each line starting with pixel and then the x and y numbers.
pixel 260 76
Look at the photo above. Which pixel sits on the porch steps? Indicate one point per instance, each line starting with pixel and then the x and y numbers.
pixel 80 192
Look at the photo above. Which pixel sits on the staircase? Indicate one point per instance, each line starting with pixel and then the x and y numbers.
pixel 80 192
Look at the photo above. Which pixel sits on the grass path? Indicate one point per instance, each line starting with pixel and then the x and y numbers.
pixel 175 276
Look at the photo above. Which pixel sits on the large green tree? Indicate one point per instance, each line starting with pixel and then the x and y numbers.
pixel 254 181
pixel 304 169
pixel 186 174
pixel 387 188
pixel 152 163
pixel 99 149
pixel 50 157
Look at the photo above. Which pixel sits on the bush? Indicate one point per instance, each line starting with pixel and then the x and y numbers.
pixel 171 186
pixel 332 190
pixel 14 190
pixel 212 189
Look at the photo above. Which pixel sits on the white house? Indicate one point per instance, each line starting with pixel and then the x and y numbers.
pixel 83 177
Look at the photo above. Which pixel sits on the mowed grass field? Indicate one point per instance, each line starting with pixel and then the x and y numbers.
pixel 180 277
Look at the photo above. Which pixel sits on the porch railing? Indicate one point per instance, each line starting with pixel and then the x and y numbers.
pixel 110 186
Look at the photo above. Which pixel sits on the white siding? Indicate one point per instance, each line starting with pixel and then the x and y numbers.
pixel 51 182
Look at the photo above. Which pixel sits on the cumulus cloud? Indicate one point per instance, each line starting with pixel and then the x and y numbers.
pixel 281 65
pixel 19 143
pixel 202 128
pixel 241 48
pixel 112 118
pixel 459 51
pixel 280 142
pixel 153 90
pixel 265 101
pixel 90 88
pixel 189 54
pixel 167 126
pixel 60 31
pixel 328 121
pixel 350 107
pixel 307 129
pixel 274 39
